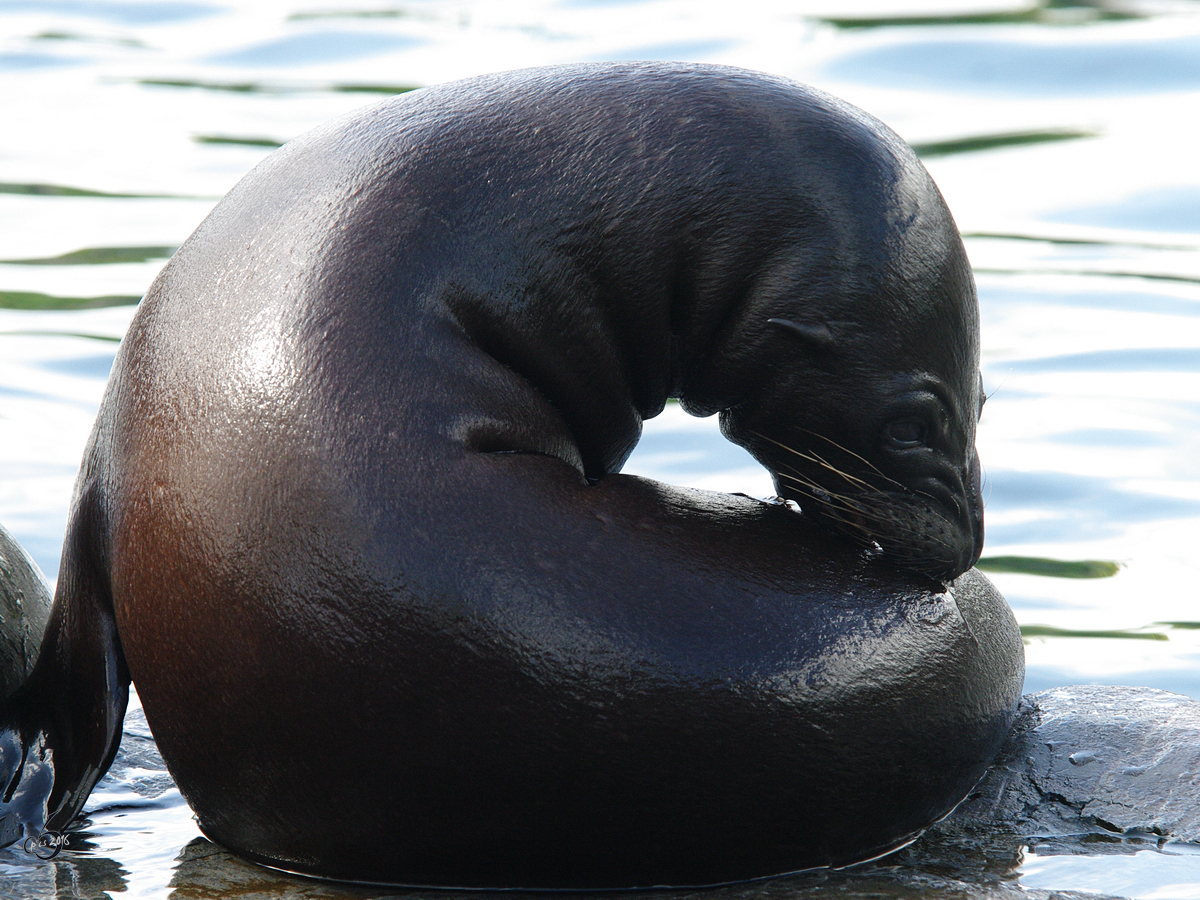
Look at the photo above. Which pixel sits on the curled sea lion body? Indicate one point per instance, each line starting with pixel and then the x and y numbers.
pixel 351 519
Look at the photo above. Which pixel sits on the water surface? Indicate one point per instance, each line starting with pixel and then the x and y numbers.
pixel 1063 137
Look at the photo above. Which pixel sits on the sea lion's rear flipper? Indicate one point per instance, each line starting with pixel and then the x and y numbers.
pixel 60 730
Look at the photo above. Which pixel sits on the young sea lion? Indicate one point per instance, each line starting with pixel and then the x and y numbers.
pixel 351 520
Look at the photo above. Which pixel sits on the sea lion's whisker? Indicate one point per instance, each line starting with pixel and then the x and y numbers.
pixel 866 462
pixel 825 464
pixel 852 479
pixel 820 489
pixel 858 502
pixel 854 524
pixel 814 458
pixel 837 506
pixel 866 486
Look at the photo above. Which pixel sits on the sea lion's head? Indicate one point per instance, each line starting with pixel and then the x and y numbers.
pixel 886 455
pixel 894 468
pixel 864 390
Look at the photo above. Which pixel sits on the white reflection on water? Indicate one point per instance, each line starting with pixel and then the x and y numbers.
pixel 1087 250
pixel 1104 60
pixel 1146 874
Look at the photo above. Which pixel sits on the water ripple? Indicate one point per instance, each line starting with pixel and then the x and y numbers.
pixel 315 48
pixel 119 13
pixel 1015 67
pixel 1131 359
pixel 1175 208
pixel 15 62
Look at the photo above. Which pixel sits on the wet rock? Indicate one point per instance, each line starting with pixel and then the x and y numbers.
pixel 1092 761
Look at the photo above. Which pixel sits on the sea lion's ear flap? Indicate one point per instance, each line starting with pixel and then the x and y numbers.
pixel 818 336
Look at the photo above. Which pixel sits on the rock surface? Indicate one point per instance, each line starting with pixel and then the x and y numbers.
pixel 1093 759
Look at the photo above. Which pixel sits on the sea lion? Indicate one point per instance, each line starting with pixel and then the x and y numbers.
pixel 350 516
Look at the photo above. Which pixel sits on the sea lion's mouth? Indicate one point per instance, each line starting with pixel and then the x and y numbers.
pixel 913 530
pixel 927 526
pixel 931 522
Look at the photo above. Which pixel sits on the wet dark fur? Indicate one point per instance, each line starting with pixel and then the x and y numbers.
pixel 351 516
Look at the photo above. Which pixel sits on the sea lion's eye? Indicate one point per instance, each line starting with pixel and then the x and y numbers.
pixel 905 433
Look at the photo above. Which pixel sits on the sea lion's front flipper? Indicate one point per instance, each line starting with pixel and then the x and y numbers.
pixel 60 730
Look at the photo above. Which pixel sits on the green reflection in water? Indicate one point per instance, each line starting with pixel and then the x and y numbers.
pixel 97 256
pixel 107 338
pixel 373 88
pixel 1007 139
pixel 1052 12
pixel 1054 568
pixel 1036 631
pixel 356 14
pixel 32 300
pixel 265 87
pixel 87 38
pixel 59 190
pixel 238 141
